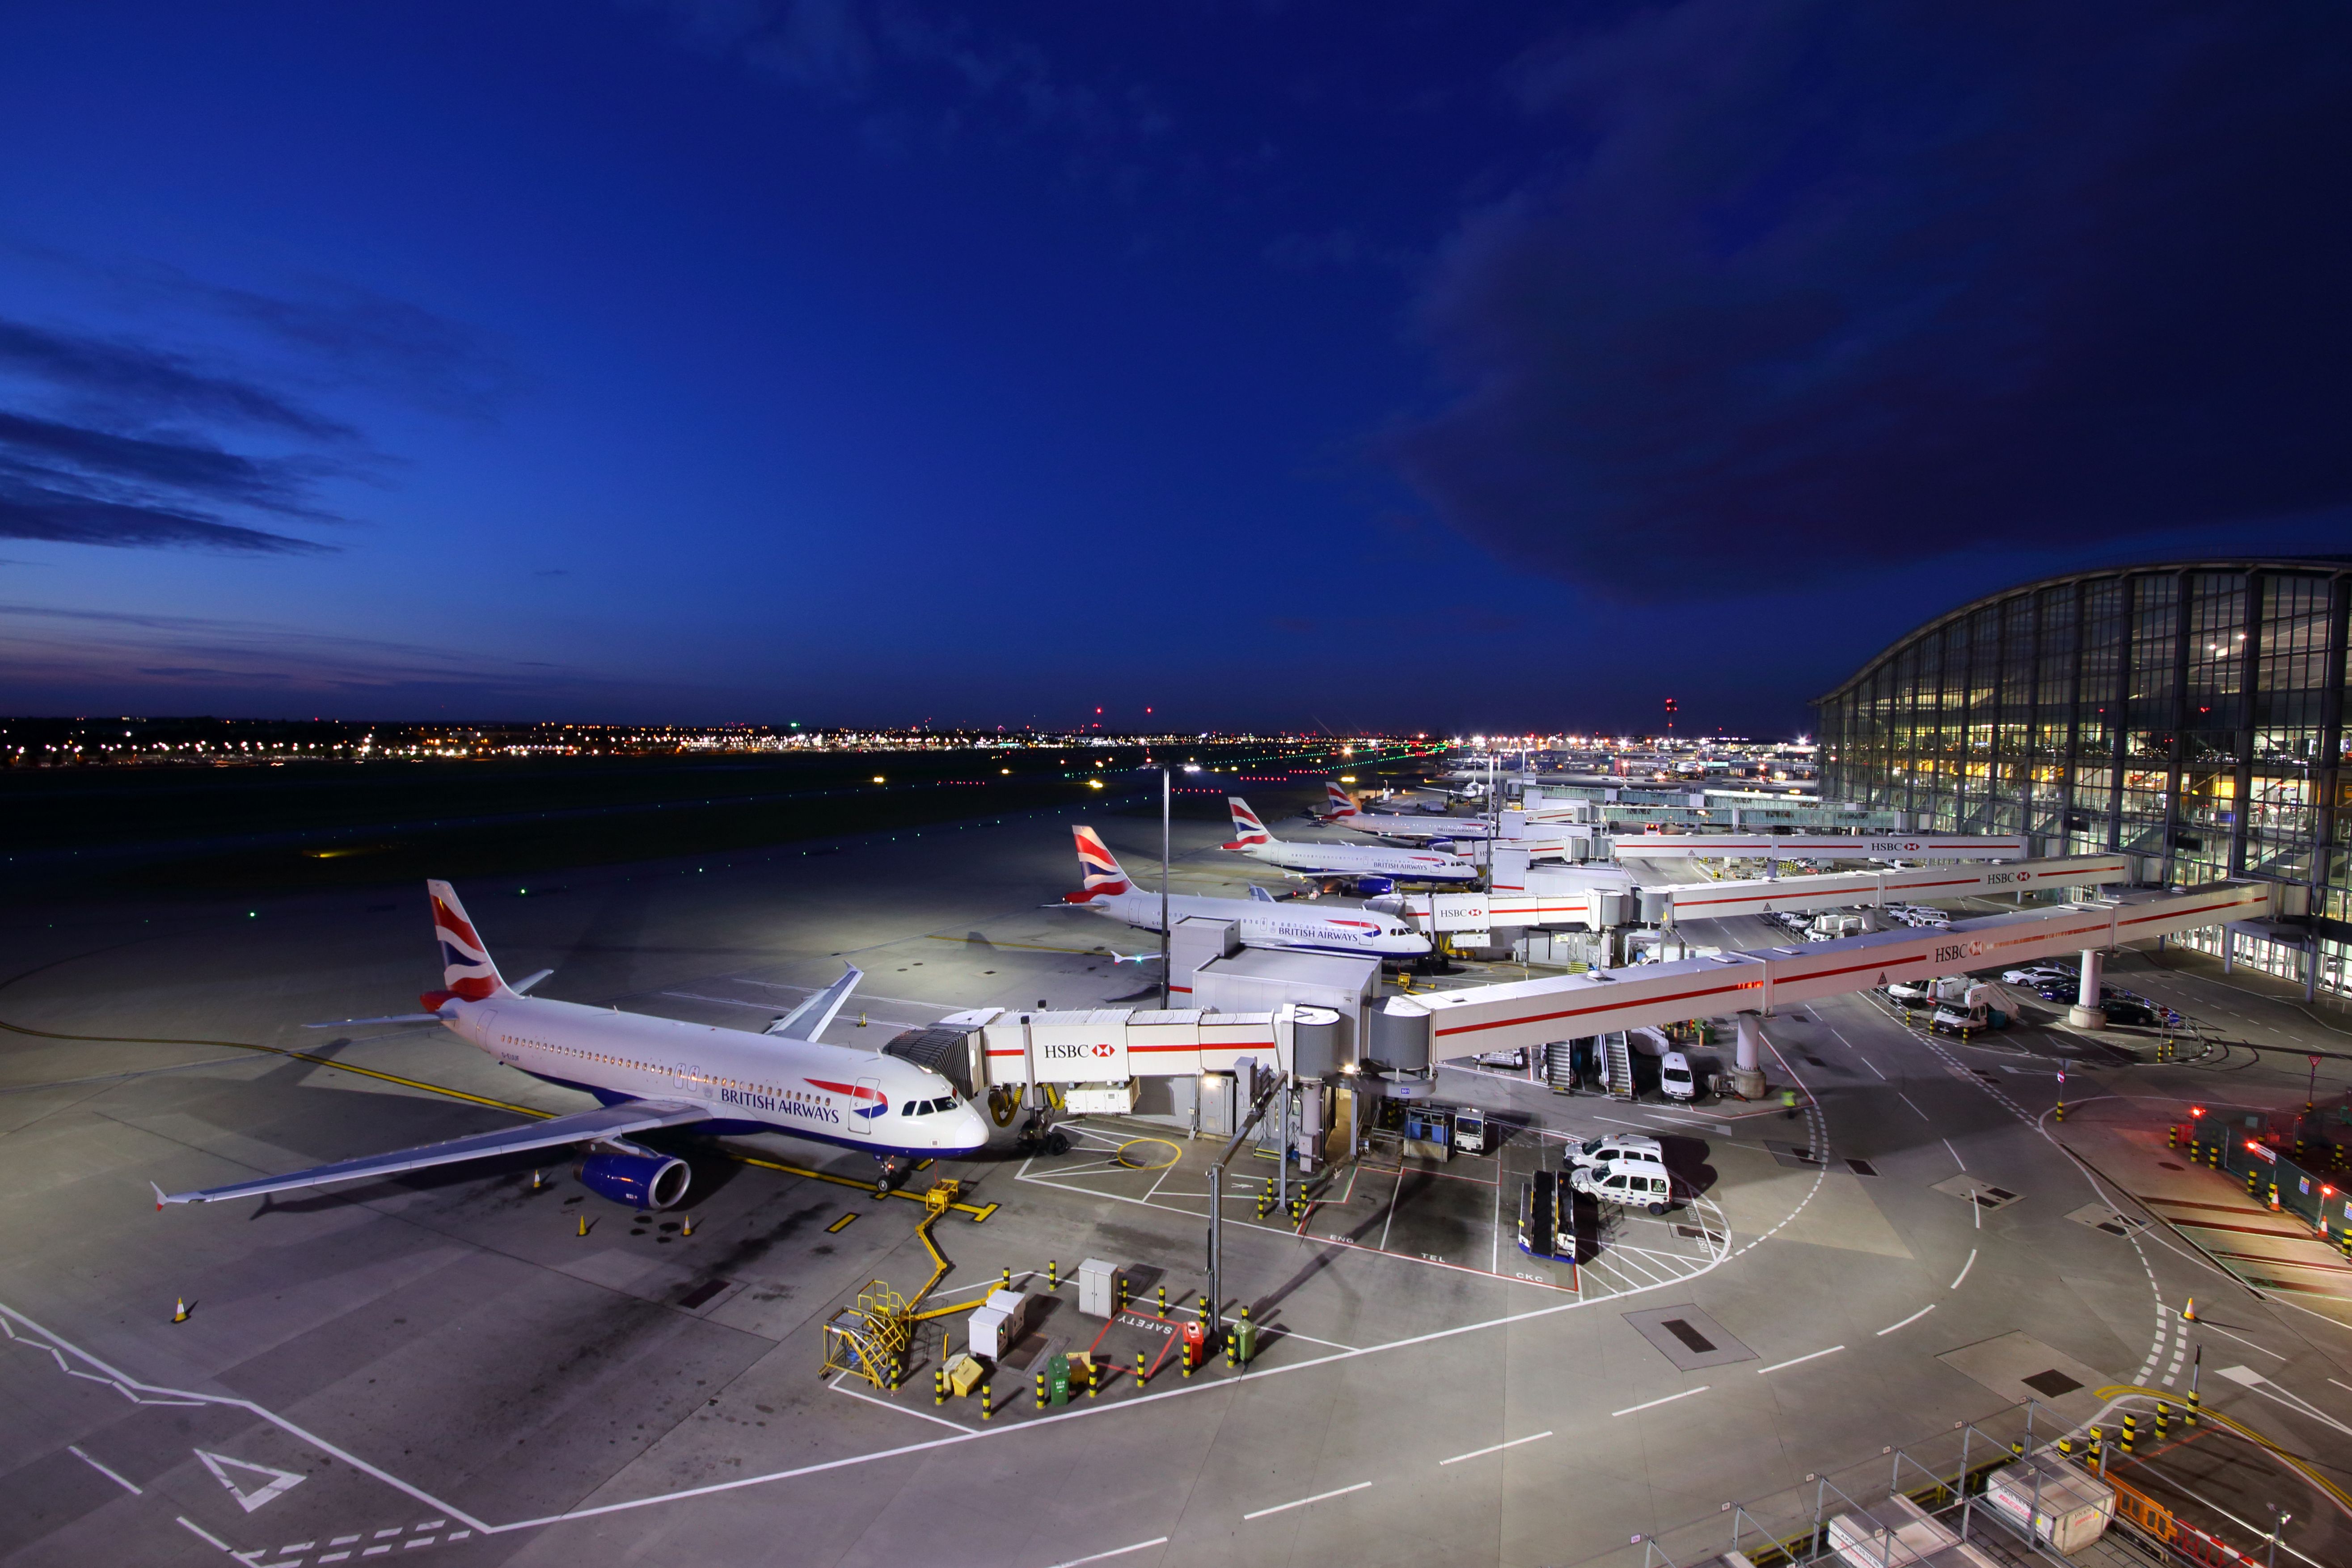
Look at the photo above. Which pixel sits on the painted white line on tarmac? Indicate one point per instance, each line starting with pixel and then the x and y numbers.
pixel 102 1470
pixel 202 1533
pixel 1798 1360
pixel 1115 1552
pixel 1963 1274
pixel 1482 1453
pixel 1907 1100
pixel 1963 1164
pixel 1908 1322
pixel 1302 1502
pixel 1669 1399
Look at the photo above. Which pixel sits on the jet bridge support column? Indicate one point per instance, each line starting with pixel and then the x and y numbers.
pixel 2086 1012
pixel 1747 1059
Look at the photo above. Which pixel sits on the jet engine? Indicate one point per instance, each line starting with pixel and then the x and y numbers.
pixel 1374 887
pixel 640 1181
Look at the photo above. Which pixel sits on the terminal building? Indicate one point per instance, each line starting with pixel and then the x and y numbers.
pixel 2190 714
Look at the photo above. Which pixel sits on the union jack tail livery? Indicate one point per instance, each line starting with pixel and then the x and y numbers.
pixel 1341 806
pixel 1248 831
pixel 1101 869
pixel 465 967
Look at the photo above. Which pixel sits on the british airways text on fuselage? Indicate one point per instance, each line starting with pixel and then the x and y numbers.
pixel 806 1111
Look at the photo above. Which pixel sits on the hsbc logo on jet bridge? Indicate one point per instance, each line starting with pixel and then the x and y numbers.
pixel 1072 1057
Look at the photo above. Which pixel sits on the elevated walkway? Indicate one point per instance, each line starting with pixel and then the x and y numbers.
pixel 1875 890
pixel 1825 846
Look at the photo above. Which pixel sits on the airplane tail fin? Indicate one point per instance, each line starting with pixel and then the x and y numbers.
pixel 808 1020
pixel 1100 868
pixel 1342 805
pixel 1248 831
pixel 465 967
pixel 1260 895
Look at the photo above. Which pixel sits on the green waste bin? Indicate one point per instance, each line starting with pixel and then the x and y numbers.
pixel 1058 1380
pixel 1246 1341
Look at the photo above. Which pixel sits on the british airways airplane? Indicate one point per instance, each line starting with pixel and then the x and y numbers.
pixel 1428 827
pixel 652 1073
pixel 1373 869
pixel 1262 921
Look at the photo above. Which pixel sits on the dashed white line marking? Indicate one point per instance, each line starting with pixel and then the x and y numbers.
pixel 1963 1164
pixel 334 1556
pixel 375 1551
pixel 298 1546
pixel 1795 1361
pixel 342 1540
pixel 1963 1274
pixel 1907 1100
pixel 430 1524
pixel 1302 1502
pixel 1873 1067
pixel 1482 1453
pixel 102 1470
pixel 394 1531
pixel 419 1540
pixel 1669 1399
pixel 1114 1552
pixel 1908 1322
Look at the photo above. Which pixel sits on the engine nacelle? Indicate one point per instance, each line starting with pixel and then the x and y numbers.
pixel 640 1181
pixel 1374 887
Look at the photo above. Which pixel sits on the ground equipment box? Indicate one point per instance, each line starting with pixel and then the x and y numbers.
pixel 997 1323
pixel 1097 1288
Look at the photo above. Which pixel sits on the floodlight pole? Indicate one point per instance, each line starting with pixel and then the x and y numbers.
pixel 1166 789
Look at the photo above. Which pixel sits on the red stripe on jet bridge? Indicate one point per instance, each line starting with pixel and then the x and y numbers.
pixel 1822 892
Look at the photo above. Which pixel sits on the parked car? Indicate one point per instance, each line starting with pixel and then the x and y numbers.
pixel 2037 974
pixel 1674 1078
pixel 2131 1010
pixel 1615 1146
pixel 1630 1183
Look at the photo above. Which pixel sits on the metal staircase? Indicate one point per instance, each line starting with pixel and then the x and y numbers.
pixel 1616 1066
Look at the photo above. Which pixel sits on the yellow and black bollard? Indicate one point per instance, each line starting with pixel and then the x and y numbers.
pixel 1163 1300
pixel 1140 1375
pixel 939 1386
pixel 1041 1390
pixel 2172 1136
pixel 1095 1377
pixel 1122 1293
pixel 1005 1283
pixel 2189 1414
pixel 2066 1447
pixel 2163 1419
pixel 2131 1435
pixel 984 1408
pixel 1053 1273
pixel 2098 1439
pixel 1184 1354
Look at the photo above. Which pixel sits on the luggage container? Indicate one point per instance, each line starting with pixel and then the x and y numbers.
pixel 2067 1507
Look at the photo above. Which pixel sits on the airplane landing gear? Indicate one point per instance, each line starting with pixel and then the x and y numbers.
pixel 893 1172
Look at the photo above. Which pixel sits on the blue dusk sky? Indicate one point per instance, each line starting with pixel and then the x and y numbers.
pixel 1442 367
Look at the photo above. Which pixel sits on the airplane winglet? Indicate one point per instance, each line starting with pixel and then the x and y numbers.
pixel 159 1197
pixel 808 1020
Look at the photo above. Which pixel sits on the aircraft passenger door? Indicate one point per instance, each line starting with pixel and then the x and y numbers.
pixel 681 1076
pixel 869 1096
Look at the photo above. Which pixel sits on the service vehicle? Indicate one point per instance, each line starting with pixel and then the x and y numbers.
pixel 1470 1130
pixel 1952 1017
pixel 1615 1146
pixel 1629 1183
pixel 1674 1078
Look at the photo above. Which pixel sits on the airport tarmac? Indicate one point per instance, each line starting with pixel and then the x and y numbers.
pixel 442 1366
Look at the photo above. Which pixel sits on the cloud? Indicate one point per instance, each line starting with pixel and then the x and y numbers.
pixel 154 383
pixel 180 465
pixel 36 511
pixel 1811 286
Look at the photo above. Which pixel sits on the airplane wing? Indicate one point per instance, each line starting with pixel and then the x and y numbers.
pixel 606 1122
pixel 1258 895
pixel 808 1020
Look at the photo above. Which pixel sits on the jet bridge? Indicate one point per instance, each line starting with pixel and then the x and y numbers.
pixel 1535 1013
pixel 1875 890
pixel 1822 846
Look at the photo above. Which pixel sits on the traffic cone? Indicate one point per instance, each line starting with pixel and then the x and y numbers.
pixel 584 1222
pixel 179 1310
pixel 2188 1313
pixel 686 1225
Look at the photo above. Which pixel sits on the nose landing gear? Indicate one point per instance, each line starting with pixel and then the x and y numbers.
pixel 894 1171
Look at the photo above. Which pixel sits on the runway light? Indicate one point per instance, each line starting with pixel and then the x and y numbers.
pixel 878 778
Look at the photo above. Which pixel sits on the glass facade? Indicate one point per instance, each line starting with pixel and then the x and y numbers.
pixel 2191 714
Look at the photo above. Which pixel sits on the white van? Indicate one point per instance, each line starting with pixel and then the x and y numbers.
pixel 1630 1183
pixel 1674 1077
pixel 1632 1146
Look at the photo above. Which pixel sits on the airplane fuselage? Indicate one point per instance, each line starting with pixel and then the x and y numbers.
pixel 1362 860
pixel 752 1083
pixel 1362 933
